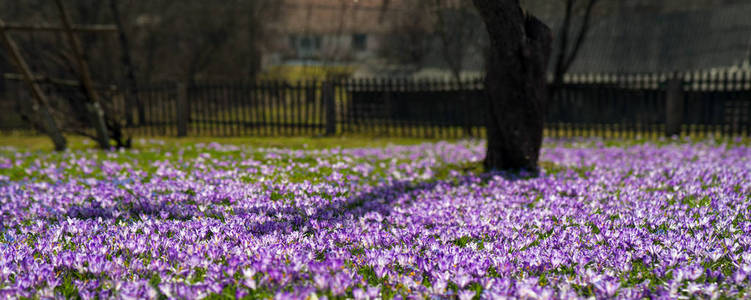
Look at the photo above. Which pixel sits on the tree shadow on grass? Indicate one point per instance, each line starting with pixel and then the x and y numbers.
pixel 379 199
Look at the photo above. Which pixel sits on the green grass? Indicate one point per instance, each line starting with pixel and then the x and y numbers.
pixel 368 136
pixel 38 142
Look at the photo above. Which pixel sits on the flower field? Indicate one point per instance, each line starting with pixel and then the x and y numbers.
pixel 225 221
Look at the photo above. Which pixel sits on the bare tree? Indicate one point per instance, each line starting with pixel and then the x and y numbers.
pixel 126 62
pixel 93 106
pixel 444 32
pixel 184 40
pixel 41 111
pixel 566 52
pixel 409 38
pixel 333 51
pixel 257 15
pixel 458 30
pixel 520 47
pixel 155 41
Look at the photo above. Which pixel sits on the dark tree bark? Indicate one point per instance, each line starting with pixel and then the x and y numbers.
pixel 41 112
pixel 93 106
pixel 520 47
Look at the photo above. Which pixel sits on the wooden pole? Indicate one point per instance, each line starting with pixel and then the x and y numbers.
pixel 96 114
pixel 183 110
pixel 329 102
pixel 41 107
pixel 674 106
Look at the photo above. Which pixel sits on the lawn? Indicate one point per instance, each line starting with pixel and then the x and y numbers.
pixel 304 218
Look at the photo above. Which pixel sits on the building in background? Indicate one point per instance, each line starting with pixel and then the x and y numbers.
pixel 331 31
pixel 379 38
pixel 626 35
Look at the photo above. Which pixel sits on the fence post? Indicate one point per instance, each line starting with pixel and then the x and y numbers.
pixel 674 106
pixel 329 103
pixel 183 110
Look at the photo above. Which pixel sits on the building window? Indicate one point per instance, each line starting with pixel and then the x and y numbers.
pixel 309 42
pixel 359 42
pixel 305 43
pixel 317 40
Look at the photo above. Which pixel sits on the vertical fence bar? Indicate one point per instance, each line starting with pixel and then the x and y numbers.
pixel 282 93
pixel 213 114
pixel 273 94
pixel 351 107
pixel 717 105
pixel 162 108
pixel 246 88
pixel 329 102
pixel 728 108
pixel 273 108
pixel 688 113
pixel 220 99
pixel 183 110
pixel 166 93
pixel 301 90
pixel 745 99
pixel 344 87
pixel 263 107
pixel 658 104
pixel 302 120
pixel 257 106
pixel 148 111
pixel 226 108
pixel 674 106
pixel 235 107
pixel 174 111
pixel 197 105
pixel 207 108
pixel 210 111
pixel 733 95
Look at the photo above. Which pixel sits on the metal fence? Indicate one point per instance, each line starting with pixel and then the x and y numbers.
pixel 608 105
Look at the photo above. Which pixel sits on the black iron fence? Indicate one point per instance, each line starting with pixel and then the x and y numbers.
pixel 629 106
pixel 698 104
pixel 419 108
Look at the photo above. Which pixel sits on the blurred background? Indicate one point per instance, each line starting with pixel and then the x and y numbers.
pixel 385 67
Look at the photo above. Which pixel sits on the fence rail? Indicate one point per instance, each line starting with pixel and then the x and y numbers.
pixel 607 105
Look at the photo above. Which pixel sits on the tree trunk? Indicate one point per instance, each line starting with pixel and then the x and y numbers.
pixel 515 83
pixel 41 111
pixel 93 108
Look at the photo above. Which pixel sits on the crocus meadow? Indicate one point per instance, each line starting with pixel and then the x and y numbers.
pixel 666 220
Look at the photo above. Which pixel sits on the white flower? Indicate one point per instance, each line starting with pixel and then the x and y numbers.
pixel 166 290
pixel 248 273
pixel 466 295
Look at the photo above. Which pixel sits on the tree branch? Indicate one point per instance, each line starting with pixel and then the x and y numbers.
pixel 561 56
pixel 583 30
pixel 76 28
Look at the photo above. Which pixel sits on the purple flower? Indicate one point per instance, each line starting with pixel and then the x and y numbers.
pixel 353 221
pixel 466 295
